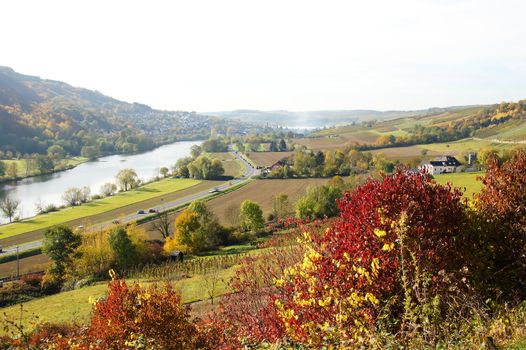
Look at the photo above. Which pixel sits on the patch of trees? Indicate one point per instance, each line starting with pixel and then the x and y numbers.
pixel 215 145
pixel 201 168
pixel 197 229
pixel 307 163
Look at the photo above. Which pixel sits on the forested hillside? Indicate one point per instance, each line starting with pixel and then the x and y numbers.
pixel 36 114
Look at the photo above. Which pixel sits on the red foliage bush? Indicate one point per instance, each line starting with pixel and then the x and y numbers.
pixel 357 266
pixel 248 314
pixel 130 317
pixel 501 239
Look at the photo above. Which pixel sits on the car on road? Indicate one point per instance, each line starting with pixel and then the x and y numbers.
pixel 140 212
pixel 214 190
pixel 115 222
pixel 152 210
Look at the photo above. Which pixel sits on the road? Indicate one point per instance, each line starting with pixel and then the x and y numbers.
pixel 250 171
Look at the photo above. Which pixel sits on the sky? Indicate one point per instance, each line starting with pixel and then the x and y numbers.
pixel 297 55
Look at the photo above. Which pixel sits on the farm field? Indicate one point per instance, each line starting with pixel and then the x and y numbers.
pixel 440 149
pixel 266 159
pixel 143 198
pixel 30 264
pixel 233 167
pixel 467 181
pixel 261 191
pixel 339 140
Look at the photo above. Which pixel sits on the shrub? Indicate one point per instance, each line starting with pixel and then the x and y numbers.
pixel 500 222
pixel 143 317
pixel 387 247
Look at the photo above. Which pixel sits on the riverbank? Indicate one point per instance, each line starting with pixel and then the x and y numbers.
pixel 23 173
pixel 120 200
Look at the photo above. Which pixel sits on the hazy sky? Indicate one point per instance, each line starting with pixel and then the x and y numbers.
pixel 297 55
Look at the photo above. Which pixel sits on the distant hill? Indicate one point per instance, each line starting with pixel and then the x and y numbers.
pixel 36 113
pixel 503 123
pixel 323 118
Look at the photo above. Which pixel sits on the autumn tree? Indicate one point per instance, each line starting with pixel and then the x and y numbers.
pixel 196 229
pixel 162 224
pixel 108 189
pixel 127 179
pixel 280 205
pixel 123 248
pixel 9 207
pixel 251 216
pixel 60 244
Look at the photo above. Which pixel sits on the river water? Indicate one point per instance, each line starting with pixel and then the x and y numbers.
pixel 48 189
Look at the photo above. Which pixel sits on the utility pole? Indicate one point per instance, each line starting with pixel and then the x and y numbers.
pixel 17 262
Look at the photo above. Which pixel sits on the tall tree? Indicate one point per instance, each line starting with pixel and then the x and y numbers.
pixel 60 244
pixel 123 248
pixel 280 205
pixel 127 179
pixel 161 224
pixel 9 207
pixel 251 216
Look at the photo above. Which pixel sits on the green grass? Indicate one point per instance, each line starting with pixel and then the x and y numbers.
pixel 74 306
pixel 232 166
pixel 463 180
pixel 97 207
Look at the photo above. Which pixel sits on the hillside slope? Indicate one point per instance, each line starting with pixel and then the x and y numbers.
pixel 504 122
pixel 36 113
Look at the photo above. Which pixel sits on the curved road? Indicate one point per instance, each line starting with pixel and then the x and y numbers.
pixel 250 171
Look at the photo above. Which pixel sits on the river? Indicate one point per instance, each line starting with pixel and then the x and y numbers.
pixel 48 189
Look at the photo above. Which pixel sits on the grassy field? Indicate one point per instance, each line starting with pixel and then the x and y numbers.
pixel 103 210
pixel 467 181
pixel 265 159
pixel 74 306
pixel 232 166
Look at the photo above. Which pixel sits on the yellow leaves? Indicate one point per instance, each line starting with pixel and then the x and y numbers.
pixel 279 282
pixel 388 247
pixel 379 233
pixel 325 302
pixel 371 298
pixel 347 256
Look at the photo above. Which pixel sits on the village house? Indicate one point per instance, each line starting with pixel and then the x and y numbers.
pixel 447 164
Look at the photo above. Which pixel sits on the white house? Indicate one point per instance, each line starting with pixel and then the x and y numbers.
pixel 443 165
